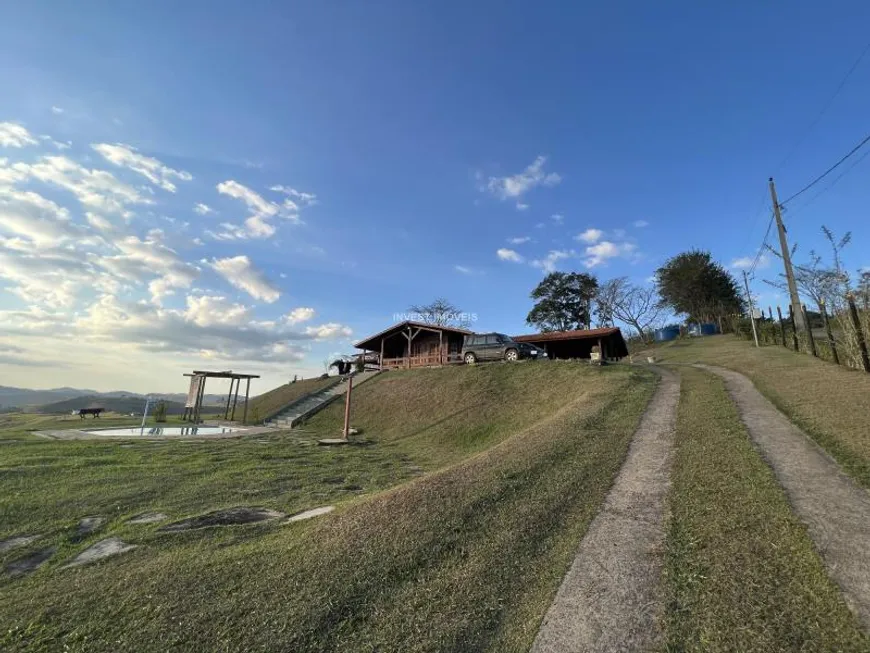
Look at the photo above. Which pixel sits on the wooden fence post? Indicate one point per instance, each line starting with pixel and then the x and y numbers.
pixel 794 337
pixel 810 337
pixel 831 342
pixel 859 332
pixel 781 327
pixel 770 313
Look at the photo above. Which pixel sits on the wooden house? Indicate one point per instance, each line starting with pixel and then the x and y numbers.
pixel 414 344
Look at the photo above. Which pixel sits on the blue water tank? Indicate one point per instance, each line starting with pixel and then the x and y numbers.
pixel 667 333
pixel 705 329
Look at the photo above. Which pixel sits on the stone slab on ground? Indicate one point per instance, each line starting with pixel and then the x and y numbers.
pixel 148 518
pixel 834 507
pixel 308 514
pixel 225 517
pixel 611 598
pixel 17 542
pixel 88 525
pixel 30 563
pixel 103 549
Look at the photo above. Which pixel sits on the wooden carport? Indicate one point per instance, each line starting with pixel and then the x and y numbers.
pixel 579 343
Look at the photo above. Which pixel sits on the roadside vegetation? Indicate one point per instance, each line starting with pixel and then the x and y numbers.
pixel 465 557
pixel 741 571
pixel 830 403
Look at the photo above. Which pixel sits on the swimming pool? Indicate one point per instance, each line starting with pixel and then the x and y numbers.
pixel 165 430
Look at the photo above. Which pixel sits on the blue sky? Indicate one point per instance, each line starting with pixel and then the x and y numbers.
pixel 357 157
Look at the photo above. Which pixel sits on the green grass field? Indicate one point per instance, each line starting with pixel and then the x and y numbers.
pixel 829 402
pixel 458 513
pixel 742 574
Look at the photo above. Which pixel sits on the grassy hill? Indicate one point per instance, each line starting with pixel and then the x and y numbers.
pixel 458 513
pixel 264 406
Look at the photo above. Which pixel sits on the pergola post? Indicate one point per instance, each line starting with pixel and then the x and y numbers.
pixel 199 395
pixel 229 397
pixel 236 398
pixel 247 392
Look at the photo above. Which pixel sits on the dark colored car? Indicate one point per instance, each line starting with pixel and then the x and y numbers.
pixel 496 347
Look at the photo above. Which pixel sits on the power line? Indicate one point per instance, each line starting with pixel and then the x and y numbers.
pixel 760 251
pixel 824 108
pixel 833 183
pixel 828 171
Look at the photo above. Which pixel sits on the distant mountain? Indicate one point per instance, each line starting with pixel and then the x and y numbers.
pixel 132 404
pixel 25 398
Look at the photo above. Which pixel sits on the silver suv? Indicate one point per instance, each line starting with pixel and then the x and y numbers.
pixel 496 347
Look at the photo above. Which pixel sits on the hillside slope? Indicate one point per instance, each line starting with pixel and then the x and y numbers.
pixel 464 558
pixel 265 405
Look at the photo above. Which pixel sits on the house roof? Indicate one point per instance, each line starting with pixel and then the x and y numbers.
pixel 578 334
pixel 370 342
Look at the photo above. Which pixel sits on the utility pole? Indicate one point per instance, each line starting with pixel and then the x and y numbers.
pixel 786 260
pixel 751 308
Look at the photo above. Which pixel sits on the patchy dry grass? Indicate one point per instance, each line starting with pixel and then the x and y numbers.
pixel 830 403
pixel 465 558
pixel 742 573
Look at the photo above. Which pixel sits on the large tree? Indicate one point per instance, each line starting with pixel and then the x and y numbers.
pixel 637 306
pixel 695 285
pixel 440 312
pixel 563 301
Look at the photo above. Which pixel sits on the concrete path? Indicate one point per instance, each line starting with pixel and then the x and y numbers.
pixel 835 509
pixel 610 599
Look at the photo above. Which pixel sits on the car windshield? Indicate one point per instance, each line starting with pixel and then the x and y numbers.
pixel 503 338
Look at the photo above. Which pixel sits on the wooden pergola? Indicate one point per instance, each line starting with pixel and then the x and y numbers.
pixel 193 405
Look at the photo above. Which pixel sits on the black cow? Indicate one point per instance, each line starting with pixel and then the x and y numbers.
pixel 90 411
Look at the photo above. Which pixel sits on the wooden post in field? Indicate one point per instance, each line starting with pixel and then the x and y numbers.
pixel 812 340
pixel 781 327
pixel 859 332
pixel 347 407
pixel 794 337
pixel 831 342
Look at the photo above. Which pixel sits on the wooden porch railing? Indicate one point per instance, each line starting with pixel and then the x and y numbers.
pixel 426 360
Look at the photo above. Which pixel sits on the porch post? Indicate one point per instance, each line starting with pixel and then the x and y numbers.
pixel 381 359
pixel 441 347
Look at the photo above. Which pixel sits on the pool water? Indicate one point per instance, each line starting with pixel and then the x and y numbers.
pixel 165 430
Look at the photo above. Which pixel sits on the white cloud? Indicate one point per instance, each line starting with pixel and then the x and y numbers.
pixel 241 273
pixel 745 262
pixel 302 197
pixel 209 310
pixel 506 254
pixel 300 314
pixel 521 206
pixel 153 170
pixel 515 186
pixel 557 218
pixel 519 240
pixel 15 135
pixel 56 110
pixel 41 221
pixel 258 224
pixel 640 224
pixel 202 209
pixel 329 331
pixel 590 236
pixel 208 327
pixel 462 269
pixel 549 262
pixel 96 189
pixel 601 252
